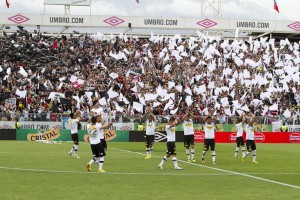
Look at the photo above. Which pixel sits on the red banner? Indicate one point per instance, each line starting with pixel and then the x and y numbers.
pixel 259 137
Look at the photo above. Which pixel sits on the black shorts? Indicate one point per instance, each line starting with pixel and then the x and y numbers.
pixel 209 143
pixel 104 144
pixel 240 141
pixel 188 140
pixel 98 150
pixel 149 140
pixel 171 149
pixel 251 146
pixel 75 138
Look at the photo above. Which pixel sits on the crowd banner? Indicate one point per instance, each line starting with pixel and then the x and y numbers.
pixel 218 127
pixel 65 135
pixel 259 137
pixel 291 128
pixel 129 126
pixel 160 136
pixel 115 126
pixel 41 125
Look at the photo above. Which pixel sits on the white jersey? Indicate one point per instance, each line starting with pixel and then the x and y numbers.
pixel 101 131
pixel 209 131
pixel 73 125
pixel 239 129
pixel 150 128
pixel 171 136
pixel 188 127
pixel 249 132
pixel 95 132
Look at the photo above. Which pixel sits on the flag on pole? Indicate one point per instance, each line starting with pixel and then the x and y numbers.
pixel 7 4
pixel 138 1
pixel 276 6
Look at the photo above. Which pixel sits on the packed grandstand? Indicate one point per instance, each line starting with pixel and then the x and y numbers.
pixel 44 76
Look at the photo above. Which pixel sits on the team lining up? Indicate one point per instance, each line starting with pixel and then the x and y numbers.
pixel 98 144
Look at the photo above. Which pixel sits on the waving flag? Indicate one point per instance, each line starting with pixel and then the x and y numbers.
pixel 7 3
pixel 276 6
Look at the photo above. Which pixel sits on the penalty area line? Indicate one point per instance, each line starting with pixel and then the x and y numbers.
pixel 222 170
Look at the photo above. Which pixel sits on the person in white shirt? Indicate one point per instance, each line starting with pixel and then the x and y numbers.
pixel 209 137
pixel 74 120
pixel 250 143
pixel 239 137
pixel 150 133
pixel 171 149
pixel 188 131
pixel 95 131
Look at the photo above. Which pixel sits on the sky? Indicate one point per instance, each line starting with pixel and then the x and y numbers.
pixel 231 9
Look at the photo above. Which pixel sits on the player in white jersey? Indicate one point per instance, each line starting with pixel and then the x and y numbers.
pixel 239 137
pixel 74 120
pixel 95 131
pixel 150 133
pixel 209 137
pixel 171 149
pixel 250 143
pixel 188 131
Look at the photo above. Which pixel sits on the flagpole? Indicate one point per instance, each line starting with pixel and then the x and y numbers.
pixel 275 20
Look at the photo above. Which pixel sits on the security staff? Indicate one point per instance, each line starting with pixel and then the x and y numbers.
pixel 140 127
pixel 284 128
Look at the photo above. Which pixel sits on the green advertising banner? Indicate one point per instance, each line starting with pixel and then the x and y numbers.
pixel 218 127
pixel 65 135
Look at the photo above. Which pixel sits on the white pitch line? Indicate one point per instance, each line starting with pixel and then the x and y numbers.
pixel 112 173
pixel 128 173
pixel 223 170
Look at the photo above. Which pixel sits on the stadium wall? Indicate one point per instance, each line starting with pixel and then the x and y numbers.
pixel 222 137
pixel 139 136
pixel 43 125
pixel 151 22
pixel 124 132
pixel 8 134
pixel 65 135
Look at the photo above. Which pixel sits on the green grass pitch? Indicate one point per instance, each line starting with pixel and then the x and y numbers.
pixel 34 170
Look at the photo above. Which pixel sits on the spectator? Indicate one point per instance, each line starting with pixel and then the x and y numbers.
pixel 171 74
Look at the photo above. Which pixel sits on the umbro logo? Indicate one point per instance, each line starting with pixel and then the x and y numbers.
pixel 158 137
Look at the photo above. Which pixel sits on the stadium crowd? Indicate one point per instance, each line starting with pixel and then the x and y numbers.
pixel 45 75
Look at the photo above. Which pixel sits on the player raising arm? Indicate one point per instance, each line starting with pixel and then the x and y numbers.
pixel 171 149
pixel 209 136
pixel 239 137
pixel 188 128
pixel 95 131
pixel 74 120
pixel 150 132
pixel 250 143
